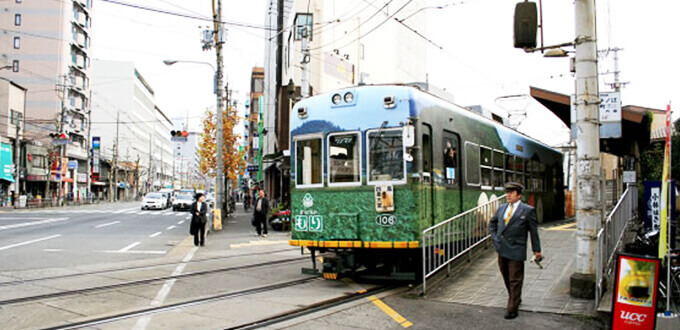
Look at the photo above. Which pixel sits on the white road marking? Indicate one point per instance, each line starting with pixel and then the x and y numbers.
pixel 28 242
pixel 142 212
pixel 170 228
pixel 134 252
pixel 188 217
pixel 154 234
pixel 127 248
pixel 257 243
pixel 165 290
pixel 17 218
pixel 32 223
pixel 107 224
pixel 180 222
pixel 179 214
pixel 53 250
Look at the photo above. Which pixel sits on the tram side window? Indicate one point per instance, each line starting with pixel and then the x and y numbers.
pixel 343 158
pixel 451 159
pixel 308 162
pixel 485 155
pixel 386 156
pixel 498 161
pixel 472 164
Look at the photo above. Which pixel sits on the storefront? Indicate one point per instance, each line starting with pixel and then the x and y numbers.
pixel 6 174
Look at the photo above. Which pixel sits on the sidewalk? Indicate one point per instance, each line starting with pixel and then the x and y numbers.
pixel 545 290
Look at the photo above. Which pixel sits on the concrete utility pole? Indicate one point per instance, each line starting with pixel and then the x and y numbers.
pixel 304 80
pixel 62 148
pixel 114 192
pixel 88 143
pixel 589 210
pixel 17 162
pixel 219 187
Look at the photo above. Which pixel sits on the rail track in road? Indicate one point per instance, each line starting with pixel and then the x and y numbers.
pixel 151 266
pixel 145 281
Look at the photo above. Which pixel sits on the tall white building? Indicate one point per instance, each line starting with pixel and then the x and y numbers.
pixel 130 125
pixel 350 43
pixel 47 45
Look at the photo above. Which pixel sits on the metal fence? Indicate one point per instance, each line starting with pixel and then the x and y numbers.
pixel 448 240
pixel 610 238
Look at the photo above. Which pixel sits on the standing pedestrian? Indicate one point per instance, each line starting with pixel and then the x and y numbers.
pixel 260 214
pixel 509 228
pixel 199 217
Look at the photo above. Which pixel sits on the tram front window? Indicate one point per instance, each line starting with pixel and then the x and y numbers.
pixel 386 156
pixel 343 154
pixel 308 162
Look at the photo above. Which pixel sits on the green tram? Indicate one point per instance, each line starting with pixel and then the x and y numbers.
pixel 373 166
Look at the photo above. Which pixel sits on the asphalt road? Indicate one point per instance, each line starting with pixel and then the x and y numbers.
pixel 64 237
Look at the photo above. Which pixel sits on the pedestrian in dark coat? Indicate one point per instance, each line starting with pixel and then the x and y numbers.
pixel 261 210
pixel 199 217
pixel 509 228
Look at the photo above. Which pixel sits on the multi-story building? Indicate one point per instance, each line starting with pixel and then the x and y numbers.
pixel 130 126
pixel 252 136
pixel 12 98
pixel 186 162
pixel 357 49
pixel 47 44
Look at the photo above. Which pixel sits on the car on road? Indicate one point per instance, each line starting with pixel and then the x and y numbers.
pixel 154 201
pixel 182 202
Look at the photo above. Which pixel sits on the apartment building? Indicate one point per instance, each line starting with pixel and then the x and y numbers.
pixel 47 46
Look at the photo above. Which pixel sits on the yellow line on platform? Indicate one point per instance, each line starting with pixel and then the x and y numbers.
pixel 390 312
pixel 566 227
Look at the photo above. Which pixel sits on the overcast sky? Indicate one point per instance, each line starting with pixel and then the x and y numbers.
pixel 477 64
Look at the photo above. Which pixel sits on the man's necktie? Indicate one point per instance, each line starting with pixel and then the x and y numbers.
pixel 509 214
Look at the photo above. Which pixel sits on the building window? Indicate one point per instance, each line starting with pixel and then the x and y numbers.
pixel 17 42
pixel 15 66
pixel 18 1
pixel 303 24
pixel 15 117
pixel 17 19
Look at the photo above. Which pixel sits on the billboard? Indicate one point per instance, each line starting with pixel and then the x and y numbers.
pixel 635 292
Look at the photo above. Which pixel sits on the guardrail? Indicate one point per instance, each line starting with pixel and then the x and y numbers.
pixel 610 236
pixel 446 241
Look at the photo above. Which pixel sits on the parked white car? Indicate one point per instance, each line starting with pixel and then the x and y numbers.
pixel 154 201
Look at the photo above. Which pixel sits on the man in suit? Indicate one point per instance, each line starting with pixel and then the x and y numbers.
pixel 509 228
pixel 261 211
pixel 199 217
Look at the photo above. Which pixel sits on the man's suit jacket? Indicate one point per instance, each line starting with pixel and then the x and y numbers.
pixel 202 218
pixel 511 240
pixel 265 208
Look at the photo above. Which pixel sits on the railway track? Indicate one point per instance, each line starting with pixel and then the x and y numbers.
pixel 108 271
pixel 144 281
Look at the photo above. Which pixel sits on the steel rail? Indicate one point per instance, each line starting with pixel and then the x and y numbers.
pixel 140 282
pixel 154 310
pixel 105 271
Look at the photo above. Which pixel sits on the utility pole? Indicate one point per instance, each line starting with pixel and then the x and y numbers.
pixel 17 162
pixel 88 143
pixel 305 63
pixel 149 180
pixel 115 160
pixel 217 24
pixel 62 148
pixel 589 210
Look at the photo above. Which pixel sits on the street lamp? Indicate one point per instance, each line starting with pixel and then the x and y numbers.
pixel 219 178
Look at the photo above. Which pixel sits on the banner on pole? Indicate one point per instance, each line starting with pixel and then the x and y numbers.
pixel 665 177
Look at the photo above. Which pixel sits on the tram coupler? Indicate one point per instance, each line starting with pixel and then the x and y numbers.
pixel 335 266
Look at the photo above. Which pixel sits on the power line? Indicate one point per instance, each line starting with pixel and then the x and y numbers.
pixel 184 15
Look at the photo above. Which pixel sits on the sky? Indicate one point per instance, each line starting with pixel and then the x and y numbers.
pixel 477 62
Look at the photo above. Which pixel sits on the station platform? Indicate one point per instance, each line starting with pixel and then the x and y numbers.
pixel 480 283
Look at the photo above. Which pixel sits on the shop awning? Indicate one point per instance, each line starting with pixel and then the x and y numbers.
pixel 66 180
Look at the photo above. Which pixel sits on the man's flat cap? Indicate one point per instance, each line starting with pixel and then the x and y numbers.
pixel 514 186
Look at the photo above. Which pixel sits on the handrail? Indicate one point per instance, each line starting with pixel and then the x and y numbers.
pixel 446 241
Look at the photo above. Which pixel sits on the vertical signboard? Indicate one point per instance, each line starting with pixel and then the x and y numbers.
pixel 6 162
pixel 96 143
pixel 635 292
pixel 610 115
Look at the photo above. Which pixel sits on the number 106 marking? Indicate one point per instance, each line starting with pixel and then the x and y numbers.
pixel 386 220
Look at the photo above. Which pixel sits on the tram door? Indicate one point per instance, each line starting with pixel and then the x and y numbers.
pixel 427 175
pixel 451 201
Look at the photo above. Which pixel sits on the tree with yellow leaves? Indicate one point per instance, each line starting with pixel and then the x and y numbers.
pixel 234 160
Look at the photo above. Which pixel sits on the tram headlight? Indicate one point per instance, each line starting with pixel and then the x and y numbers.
pixel 349 97
pixel 337 99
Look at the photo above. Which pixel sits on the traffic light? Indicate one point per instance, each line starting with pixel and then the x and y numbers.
pixel 179 136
